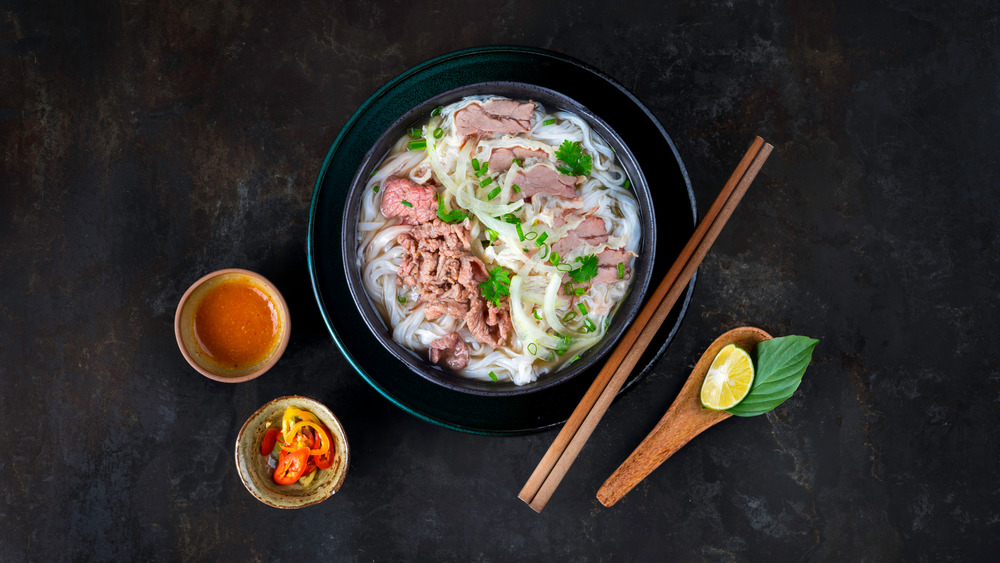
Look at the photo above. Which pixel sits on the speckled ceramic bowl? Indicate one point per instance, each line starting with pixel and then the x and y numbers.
pixel 254 469
pixel 629 305
pixel 187 342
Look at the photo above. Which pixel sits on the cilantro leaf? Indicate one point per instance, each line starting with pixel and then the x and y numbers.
pixel 575 162
pixel 453 216
pixel 497 286
pixel 587 269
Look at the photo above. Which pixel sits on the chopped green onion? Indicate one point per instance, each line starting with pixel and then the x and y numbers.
pixel 582 308
pixel 436 111
pixel 486 182
pixel 589 325
pixel 375 188
pixel 493 194
pixel 439 132
pixel 569 316
pixel 621 270
pixel 627 185
pixel 418 145
pixel 579 291
pixel 512 219
pixel 535 313
pixel 554 258
pixel 517 161
pixel 401 299
pixel 517 189
pixel 564 267
pixel 541 238
pixel 530 235
pixel 532 348
pixel 373 173
pixel 564 343
pixel 549 122
pixel 493 376
pixel 414 132
pixel 475 164
pixel 545 250
pixel 569 288
pixel 520 233
pixel 493 234
pixel 406 203
pixel 575 358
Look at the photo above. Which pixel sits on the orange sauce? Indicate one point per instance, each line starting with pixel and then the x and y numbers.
pixel 236 324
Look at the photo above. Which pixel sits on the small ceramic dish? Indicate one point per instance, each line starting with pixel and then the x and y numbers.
pixel 191 342
pixel 256 473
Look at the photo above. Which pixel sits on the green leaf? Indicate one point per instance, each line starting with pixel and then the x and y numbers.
pixel 587 270
pixel 453 216
pixel 497 286
pixel 576 163
pixel 781 363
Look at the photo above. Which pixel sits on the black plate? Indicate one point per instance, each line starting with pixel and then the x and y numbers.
pixel 673 202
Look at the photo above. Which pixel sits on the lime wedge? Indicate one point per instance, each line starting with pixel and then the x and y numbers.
pixel 728 380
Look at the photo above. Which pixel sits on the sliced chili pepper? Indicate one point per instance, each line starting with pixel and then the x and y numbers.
pixel 290 417
pixel 291 466
pixel 325 459
pixel 267 444
pixel 324 438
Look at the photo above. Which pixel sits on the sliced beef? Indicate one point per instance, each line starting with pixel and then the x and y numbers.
pixel 450 350
pixel 543 179
pixel 607 265
pixel 497 116
pixel 422 200
pixel 591 231
pixel 502 157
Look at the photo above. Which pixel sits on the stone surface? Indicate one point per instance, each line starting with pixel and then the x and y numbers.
pixel 144 144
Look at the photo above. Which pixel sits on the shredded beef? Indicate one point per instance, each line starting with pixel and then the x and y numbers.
pixel 438 262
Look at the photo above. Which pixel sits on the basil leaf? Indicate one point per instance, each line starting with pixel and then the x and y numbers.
pixel 781 363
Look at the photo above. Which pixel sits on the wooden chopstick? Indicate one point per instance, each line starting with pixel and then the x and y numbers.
pixel 574 434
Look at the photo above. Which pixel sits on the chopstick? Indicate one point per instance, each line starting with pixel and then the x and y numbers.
pixel 563 452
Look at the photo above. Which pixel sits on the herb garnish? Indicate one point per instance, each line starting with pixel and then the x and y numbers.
pixel 575 162
pixel 497 286
pixel 587 269
pixel 453 216
pixel 780 365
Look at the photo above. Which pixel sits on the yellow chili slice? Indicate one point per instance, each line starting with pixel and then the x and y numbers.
pixel 289 418
pixel 324 443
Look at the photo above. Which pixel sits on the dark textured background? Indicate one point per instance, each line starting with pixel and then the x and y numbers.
pixel 145 144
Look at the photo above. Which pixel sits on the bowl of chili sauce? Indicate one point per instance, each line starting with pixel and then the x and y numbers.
pixel 232 325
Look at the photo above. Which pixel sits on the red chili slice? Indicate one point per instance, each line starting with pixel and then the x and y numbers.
pixel 267 444
pixel 291 466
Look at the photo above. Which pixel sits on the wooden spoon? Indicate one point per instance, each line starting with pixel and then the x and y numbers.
pixel 684 420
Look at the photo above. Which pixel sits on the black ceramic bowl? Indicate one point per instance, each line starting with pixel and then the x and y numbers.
pixel 627 310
